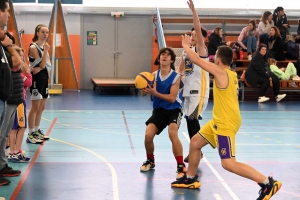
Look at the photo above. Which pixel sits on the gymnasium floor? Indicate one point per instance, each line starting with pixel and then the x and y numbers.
pixel 96 149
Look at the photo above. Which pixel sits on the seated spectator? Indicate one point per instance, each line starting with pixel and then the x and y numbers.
pixel 259 73
pixel 288 73
pixel 249 38
pixel 215 40
pixel 275 45
pixel 264 26
pixel 281 22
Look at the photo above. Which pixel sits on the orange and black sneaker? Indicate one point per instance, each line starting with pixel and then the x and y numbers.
pixel 181 170
pixel 267 191
pixel 147 165
pixel 184 182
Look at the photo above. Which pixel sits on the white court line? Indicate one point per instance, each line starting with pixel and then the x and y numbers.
pixel 226 186
pixel 115 189
pixel 217 197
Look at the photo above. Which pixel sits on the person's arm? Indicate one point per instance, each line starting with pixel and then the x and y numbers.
pixel 241 38
pixel 16 59
pixel 40 62
pixel 261 28
pixel 275 70
pixel 257 38
pixel 197 26
pixel 258 65
pixel 180 69
pixel 26 75
pixel 219 73
pixel 167 97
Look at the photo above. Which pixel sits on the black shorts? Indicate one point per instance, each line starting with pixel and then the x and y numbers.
pixel 161 118
pixel 39 88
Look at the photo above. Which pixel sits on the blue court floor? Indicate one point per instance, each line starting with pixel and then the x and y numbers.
pixel 97 147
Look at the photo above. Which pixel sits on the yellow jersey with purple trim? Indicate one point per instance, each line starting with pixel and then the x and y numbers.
pixel 226 110
pixel 196 82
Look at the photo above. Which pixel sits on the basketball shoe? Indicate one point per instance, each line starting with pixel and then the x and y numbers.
pixel 147 165
pixel 267 191
pixel 184 182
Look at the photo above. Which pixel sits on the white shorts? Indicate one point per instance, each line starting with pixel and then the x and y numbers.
pixel 194 106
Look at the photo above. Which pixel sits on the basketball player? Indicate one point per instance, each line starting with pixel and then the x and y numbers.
pixel 167 99
pixel 40 69
pixel 220 131
pixel 196 82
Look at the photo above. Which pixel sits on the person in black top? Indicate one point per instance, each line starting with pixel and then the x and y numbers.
pixel 259 73
pixel 40 68
pixel 215 40
pixel 281 22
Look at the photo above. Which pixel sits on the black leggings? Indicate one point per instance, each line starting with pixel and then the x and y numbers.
pixel 265 84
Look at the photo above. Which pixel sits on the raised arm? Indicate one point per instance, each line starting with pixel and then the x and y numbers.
pixel 197 26
pixel 219 73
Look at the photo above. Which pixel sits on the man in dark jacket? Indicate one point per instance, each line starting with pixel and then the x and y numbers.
pixel 5 88
pixel 259 73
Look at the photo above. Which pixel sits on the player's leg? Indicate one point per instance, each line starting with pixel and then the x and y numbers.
pixel 204 137
pixel 174 123
pixel 36 91
pixel 39 132
pixel 226 148
pixel 155 125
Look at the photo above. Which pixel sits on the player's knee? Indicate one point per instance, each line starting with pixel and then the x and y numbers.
pixel 173 135
pixel 195 144
pixel 228 165
pixel 149 136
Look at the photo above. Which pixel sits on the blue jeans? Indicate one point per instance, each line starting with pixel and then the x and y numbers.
pixel 263 38
pixel 250 43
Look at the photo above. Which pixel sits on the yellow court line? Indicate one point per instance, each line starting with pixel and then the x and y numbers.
pixel 112 170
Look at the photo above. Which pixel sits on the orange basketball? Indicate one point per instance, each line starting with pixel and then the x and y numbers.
pixel 143 79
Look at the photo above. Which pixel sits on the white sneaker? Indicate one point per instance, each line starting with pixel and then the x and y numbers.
pixel 280 97
pixel 249 57
pixel 293 84
pixel 263 99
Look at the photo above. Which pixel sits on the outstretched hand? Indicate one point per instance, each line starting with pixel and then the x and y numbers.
pixel 185 40
pixel 191 4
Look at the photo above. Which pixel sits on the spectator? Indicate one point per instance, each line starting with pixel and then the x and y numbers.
pixel 215 40
pixel 249 38
pixel 264 26
pixel 275 45
pixel 288 73
pixel 259 73
pixel 281 22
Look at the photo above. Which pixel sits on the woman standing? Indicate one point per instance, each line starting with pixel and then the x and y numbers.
pixel 40 69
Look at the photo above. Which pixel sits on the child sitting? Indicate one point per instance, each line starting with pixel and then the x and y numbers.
pixel 288 73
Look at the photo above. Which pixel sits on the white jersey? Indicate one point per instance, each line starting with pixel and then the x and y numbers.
pixel 196 82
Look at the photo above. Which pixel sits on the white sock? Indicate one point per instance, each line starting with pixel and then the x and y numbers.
pixel 36 128
pixel 266 182
pixel 191 177
pixel 31 130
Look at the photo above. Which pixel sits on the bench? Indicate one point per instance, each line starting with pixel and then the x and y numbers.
pixel 99 83
pixel 284 84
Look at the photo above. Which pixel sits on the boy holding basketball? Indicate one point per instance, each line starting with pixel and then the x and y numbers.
pixel 167 101
pixel 220 131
